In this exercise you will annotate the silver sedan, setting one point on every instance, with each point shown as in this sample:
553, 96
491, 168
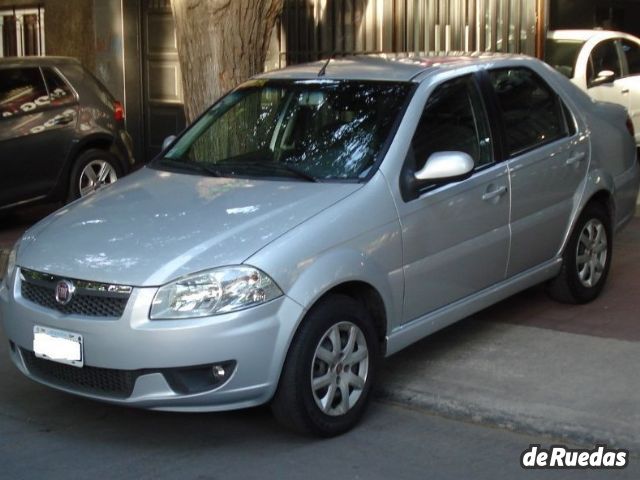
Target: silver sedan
315, 220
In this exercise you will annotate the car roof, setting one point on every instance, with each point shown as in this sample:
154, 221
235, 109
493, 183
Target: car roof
584, 35
37, 61
382, 67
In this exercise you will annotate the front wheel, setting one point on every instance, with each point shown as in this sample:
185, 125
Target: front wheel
93, 170
586, 259
326, 380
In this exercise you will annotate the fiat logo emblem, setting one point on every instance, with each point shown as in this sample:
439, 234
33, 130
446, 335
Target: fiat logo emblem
64, 292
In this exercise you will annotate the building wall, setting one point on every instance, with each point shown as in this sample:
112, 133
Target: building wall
621, 15
67, 31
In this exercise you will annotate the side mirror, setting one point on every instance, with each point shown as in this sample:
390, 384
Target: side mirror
168, 141
444, 167
604, 77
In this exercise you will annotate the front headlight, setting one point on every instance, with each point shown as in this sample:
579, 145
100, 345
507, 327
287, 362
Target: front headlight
221, 290
11, 264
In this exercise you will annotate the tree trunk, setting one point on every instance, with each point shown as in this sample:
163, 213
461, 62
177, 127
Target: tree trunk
221, 43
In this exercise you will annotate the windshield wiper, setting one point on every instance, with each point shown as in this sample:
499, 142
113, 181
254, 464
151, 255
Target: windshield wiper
296, 171
191, 165
271, 166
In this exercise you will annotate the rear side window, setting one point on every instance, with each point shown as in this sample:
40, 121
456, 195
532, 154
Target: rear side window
454, 119
22, 90
632, 53
59, 90
532, 112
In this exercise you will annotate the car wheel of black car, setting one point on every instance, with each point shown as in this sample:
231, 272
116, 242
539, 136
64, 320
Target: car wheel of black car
93, 169
586, 259
326, 381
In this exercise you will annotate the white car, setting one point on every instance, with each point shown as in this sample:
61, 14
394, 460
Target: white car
603, 63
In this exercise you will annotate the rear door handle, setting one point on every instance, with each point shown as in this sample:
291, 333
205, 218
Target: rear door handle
498, 192
625, 91
575, 158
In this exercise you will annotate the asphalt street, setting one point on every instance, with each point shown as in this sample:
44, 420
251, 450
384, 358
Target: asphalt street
52, 435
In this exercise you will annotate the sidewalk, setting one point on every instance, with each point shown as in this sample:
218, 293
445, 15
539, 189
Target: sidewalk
535, 366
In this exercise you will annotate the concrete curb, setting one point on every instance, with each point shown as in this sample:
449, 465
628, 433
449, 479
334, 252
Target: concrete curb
459, 409
569, 387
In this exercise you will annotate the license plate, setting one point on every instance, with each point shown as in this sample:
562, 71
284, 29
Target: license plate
58, 346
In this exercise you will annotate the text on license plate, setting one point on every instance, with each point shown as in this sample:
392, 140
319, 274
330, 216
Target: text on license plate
58, 345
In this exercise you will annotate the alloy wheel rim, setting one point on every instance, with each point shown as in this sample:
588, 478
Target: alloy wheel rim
95, 175
592, 253
339, 369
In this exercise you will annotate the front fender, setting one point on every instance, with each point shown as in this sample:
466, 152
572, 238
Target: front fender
356, 240
337, 267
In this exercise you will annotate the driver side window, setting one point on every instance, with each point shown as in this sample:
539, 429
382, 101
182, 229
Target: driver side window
454, 119
603, 57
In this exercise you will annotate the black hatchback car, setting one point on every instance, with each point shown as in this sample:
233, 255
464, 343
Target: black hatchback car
62, 133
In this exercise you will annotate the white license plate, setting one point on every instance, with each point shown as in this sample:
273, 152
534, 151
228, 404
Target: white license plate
58, 346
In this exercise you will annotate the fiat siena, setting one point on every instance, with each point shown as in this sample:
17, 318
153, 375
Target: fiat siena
315, 220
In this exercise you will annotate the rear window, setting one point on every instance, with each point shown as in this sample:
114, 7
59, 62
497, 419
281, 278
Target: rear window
562, 55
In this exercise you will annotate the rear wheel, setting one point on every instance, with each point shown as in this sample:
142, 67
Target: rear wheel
586, 259
93, 170
326, 380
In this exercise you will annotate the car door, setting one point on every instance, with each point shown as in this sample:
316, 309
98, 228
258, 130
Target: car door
455, 237
630, 81
605, 57
547, 160
32, 148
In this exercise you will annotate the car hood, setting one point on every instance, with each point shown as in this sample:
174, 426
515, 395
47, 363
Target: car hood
154, 226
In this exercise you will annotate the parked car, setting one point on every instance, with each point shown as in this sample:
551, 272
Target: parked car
603, 63
315, 220
62, 134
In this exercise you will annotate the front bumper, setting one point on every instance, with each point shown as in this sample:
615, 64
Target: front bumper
255, 339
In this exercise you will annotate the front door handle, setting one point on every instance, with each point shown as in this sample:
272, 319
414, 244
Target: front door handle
498, 192
625, 91
573, 159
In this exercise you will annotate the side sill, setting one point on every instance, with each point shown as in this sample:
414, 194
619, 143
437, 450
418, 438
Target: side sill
421, 327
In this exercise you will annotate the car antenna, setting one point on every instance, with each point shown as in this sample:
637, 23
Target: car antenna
326, 64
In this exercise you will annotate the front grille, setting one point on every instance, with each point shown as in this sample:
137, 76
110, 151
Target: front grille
100, 381
89, 300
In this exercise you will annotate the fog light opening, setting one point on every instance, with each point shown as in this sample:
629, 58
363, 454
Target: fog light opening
219, 373
201, 378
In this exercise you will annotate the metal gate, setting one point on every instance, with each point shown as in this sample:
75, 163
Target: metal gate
22, 32
312, 29
162, 85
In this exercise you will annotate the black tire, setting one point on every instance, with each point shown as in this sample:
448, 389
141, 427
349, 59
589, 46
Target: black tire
91, 156
568, 287
295, 405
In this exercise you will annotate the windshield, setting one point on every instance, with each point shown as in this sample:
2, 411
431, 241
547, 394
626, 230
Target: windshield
562, 55
309, 130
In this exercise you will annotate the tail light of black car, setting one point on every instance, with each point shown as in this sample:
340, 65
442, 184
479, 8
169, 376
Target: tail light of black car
118, 111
